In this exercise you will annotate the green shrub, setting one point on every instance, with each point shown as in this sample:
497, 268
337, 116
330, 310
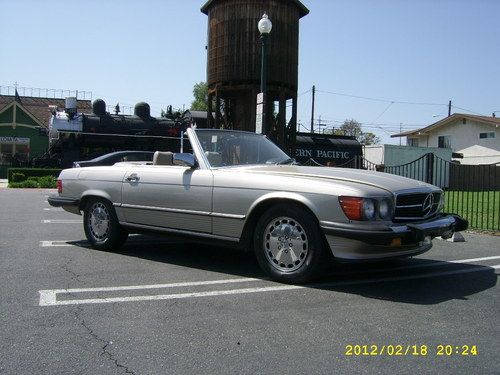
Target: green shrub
44, 182
24, 184
18, 177
32, 172
47, 182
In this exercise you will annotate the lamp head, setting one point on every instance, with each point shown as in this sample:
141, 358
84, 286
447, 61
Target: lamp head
265, 25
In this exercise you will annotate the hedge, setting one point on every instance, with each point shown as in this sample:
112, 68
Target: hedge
45, 182
16, 174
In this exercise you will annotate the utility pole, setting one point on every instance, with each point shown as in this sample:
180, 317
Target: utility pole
400, 130
449, 108
312, 110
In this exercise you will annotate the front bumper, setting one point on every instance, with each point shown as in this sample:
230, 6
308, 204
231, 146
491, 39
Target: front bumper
363, 241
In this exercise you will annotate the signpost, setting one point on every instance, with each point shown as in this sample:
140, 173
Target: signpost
259, 113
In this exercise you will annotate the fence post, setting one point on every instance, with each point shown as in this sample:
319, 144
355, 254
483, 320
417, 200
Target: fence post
430, 168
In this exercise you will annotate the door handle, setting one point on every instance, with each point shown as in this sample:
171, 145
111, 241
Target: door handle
133, 178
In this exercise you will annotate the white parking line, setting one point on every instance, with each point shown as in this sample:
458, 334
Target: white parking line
61, 221
53, 209
56, 243
82, 242
49, 297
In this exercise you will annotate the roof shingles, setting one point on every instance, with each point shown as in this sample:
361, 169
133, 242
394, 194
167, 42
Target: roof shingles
39, 107
484, 119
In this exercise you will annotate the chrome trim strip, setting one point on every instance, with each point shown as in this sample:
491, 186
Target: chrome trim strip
410, 206
182, 211
414, 218
175, 210
399, 229
228, 216
179, 231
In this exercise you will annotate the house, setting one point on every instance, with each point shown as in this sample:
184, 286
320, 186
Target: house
23, 124
477, 138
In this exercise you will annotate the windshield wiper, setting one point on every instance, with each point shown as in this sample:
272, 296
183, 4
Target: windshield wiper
287, 161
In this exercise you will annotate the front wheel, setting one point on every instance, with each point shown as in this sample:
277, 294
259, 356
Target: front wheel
288, 244
101, 225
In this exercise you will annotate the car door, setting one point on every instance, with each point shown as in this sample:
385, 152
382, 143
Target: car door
168, 196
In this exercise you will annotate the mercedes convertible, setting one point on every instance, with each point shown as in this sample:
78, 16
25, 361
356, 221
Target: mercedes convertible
240, 189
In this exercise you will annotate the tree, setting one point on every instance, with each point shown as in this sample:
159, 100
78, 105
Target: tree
200, 93
353, 128
369, 138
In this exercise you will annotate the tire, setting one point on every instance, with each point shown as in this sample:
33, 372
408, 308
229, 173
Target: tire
101, 225
289, 245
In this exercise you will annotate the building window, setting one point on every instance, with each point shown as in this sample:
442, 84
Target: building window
487, 135
6, 152
14, 151
444, 141
412, 142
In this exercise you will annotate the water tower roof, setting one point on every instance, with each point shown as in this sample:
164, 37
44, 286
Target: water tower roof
303, 10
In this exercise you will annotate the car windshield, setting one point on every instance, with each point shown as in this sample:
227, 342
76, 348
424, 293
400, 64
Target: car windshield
225, 148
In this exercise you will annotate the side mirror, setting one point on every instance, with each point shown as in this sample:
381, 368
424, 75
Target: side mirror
184, 159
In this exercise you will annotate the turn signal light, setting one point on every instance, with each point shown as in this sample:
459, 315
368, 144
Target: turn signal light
59, 186
352, 207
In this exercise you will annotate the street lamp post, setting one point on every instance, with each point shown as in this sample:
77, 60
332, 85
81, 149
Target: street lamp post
265, 27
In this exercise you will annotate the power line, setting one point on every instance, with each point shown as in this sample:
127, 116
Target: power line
467, 110
303, 93
384, 111
366, 123
379, 99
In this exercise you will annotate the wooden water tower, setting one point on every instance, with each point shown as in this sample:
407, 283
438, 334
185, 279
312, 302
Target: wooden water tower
234, 65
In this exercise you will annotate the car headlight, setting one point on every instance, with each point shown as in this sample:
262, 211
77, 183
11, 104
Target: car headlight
385, 209
357, 208
368, 209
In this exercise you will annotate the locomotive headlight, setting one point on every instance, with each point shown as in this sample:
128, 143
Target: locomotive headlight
385, 209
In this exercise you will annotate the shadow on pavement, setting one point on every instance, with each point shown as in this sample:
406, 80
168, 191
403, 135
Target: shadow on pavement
414, 280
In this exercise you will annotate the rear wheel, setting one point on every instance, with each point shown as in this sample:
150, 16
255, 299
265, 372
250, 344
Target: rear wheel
288, 244
101, 225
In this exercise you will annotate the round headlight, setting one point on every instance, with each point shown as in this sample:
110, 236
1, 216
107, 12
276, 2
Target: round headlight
368, 209
385, 209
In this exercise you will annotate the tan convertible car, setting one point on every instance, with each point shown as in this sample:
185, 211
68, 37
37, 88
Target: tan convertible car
240, 189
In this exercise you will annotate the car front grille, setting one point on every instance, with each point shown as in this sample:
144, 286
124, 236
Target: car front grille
416, 206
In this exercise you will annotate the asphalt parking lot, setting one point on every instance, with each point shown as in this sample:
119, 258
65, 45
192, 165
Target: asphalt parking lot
169, 307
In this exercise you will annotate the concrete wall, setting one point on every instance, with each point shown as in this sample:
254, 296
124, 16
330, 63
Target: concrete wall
374, 154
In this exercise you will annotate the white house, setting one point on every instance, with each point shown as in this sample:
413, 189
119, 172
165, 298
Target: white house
477, 138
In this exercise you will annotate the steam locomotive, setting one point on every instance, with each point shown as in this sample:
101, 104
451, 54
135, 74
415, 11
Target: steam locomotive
80, 136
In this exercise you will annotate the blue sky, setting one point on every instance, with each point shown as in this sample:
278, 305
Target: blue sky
400, 51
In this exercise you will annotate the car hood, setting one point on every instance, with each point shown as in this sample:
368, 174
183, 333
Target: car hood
381, 180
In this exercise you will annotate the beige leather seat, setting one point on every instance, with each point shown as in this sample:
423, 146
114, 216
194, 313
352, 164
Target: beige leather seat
163, 158
214, 158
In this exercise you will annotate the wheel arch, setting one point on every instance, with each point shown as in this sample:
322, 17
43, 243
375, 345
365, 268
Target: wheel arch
263, 204
92, 194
